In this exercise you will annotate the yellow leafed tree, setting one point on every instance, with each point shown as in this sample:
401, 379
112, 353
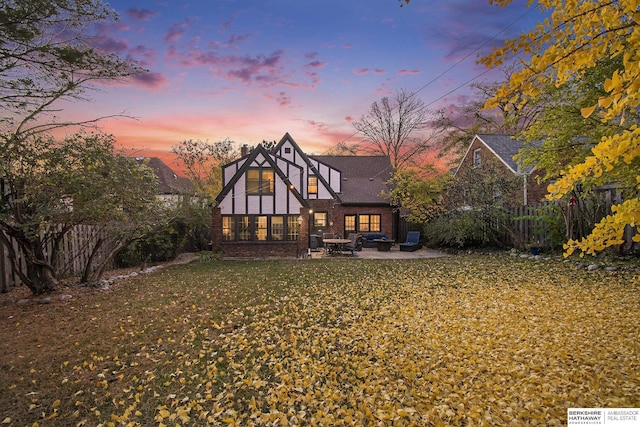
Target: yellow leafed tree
576, 34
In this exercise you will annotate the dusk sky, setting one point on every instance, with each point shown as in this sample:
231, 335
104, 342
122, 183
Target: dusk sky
253, 70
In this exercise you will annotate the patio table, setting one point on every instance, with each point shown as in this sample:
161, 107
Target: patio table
336, 246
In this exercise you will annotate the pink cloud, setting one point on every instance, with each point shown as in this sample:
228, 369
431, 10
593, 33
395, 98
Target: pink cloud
175, 32
378, 72
361, 72
347, 46
405, 72
141, 14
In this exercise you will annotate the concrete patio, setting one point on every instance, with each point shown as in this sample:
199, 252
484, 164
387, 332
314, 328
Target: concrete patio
373, 253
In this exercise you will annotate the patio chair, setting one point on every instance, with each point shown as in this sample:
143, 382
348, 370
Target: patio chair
356, 243
412, 243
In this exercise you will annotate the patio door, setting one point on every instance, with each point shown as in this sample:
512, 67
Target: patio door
350, 224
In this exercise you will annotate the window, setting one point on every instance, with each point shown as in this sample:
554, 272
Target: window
253, 181
350, 224
228, 228
287, 150
277, 228
319, 219
312, 184
477, 157
260, 181
374, 223
363, 222
293, 228
244, 230
261, 228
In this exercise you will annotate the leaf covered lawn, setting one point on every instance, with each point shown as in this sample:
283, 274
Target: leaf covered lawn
469, 340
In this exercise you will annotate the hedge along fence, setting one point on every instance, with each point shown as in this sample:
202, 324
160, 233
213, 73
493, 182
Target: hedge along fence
74, 251
549, 224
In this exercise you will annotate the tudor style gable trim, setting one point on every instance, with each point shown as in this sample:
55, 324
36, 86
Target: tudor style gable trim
242, 171
297, 153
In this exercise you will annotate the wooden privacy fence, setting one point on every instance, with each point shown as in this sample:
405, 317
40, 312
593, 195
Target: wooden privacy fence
548, 224
72, 255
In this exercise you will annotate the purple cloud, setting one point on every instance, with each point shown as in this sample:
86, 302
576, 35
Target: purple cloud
316, 64
361, 72
232, 42
405, 72
283, 99
141, 14
175, 32
109, 44
263, 69
152, 81
235, 39
378, 72
258, 68
145, 56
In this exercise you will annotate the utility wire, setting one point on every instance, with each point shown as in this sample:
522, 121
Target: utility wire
442, 74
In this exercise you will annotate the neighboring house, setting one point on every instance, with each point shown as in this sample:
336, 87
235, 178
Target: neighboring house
486, 148
273, 201
171, 187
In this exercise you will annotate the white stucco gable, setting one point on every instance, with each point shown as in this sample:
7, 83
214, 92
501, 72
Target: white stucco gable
259, 184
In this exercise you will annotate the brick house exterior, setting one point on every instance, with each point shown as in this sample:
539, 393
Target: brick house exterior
272, 201
500, 150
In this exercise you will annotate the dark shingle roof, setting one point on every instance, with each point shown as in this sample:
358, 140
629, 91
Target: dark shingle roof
364, 178
168, 181
505, 147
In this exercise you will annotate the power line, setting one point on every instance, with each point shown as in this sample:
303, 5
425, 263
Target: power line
442, 74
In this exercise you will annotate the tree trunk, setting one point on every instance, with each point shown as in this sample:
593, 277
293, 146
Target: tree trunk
40, 278
95, 276
86, 274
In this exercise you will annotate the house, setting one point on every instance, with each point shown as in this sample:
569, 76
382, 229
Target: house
272, 201
171, 187
499, 151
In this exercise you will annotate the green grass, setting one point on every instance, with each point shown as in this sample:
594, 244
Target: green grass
464, 340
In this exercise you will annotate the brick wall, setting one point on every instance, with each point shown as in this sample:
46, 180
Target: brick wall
386, 217
535, 191
335, 217
262, 249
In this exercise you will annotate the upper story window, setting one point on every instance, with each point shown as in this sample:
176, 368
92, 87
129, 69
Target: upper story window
312, 184
477, 157
287, 150
260, 181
